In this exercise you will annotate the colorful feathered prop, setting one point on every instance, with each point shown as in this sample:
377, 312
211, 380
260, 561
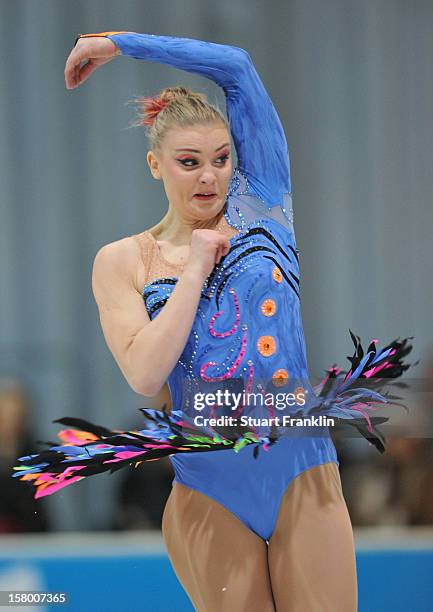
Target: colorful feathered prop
92, 449
342, 395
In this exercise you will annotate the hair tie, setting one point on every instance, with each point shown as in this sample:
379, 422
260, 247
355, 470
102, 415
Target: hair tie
152, 108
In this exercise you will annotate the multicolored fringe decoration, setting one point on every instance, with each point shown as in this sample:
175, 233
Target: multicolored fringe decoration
342, 397
93, 449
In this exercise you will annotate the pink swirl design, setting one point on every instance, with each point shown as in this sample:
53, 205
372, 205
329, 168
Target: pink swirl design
231, 331
231, 370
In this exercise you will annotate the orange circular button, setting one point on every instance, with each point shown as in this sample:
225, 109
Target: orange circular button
266, 345
280, 377
276, 274
268, 307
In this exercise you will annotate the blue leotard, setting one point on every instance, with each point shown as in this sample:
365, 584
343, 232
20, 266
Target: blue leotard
247, 330
262, 271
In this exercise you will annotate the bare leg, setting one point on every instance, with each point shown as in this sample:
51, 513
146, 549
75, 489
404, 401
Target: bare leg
311, 552
220, 562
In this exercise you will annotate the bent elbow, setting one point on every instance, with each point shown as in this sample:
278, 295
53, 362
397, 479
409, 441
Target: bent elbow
242, 59
148, 388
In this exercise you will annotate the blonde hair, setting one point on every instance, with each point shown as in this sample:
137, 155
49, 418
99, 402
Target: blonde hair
175, 107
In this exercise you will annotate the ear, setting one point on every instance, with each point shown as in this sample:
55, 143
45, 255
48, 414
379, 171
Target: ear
153, 164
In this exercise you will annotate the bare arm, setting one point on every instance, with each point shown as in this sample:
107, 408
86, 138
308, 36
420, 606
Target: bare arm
146, 351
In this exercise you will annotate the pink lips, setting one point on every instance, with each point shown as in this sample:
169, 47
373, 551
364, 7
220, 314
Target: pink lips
202, 196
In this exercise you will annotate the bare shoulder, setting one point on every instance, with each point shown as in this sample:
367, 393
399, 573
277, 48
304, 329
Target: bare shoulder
121, 263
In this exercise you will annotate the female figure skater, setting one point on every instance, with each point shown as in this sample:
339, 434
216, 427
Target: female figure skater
261, 525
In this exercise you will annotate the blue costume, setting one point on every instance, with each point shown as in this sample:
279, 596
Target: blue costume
247, 334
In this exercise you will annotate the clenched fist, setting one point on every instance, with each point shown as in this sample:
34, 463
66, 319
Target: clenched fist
207, 248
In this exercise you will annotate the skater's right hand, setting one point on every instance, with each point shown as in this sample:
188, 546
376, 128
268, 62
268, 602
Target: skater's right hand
95, 51
207, 248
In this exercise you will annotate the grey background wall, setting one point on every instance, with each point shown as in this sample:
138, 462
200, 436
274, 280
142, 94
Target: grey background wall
352, 82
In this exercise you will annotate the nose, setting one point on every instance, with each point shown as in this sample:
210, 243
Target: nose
207, 176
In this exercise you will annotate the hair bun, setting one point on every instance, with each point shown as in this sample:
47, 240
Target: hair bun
152, 106
174, 107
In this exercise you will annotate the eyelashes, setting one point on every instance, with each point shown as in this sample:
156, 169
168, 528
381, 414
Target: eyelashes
190, 162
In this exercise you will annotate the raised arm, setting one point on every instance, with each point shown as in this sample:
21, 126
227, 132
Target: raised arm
257, 132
